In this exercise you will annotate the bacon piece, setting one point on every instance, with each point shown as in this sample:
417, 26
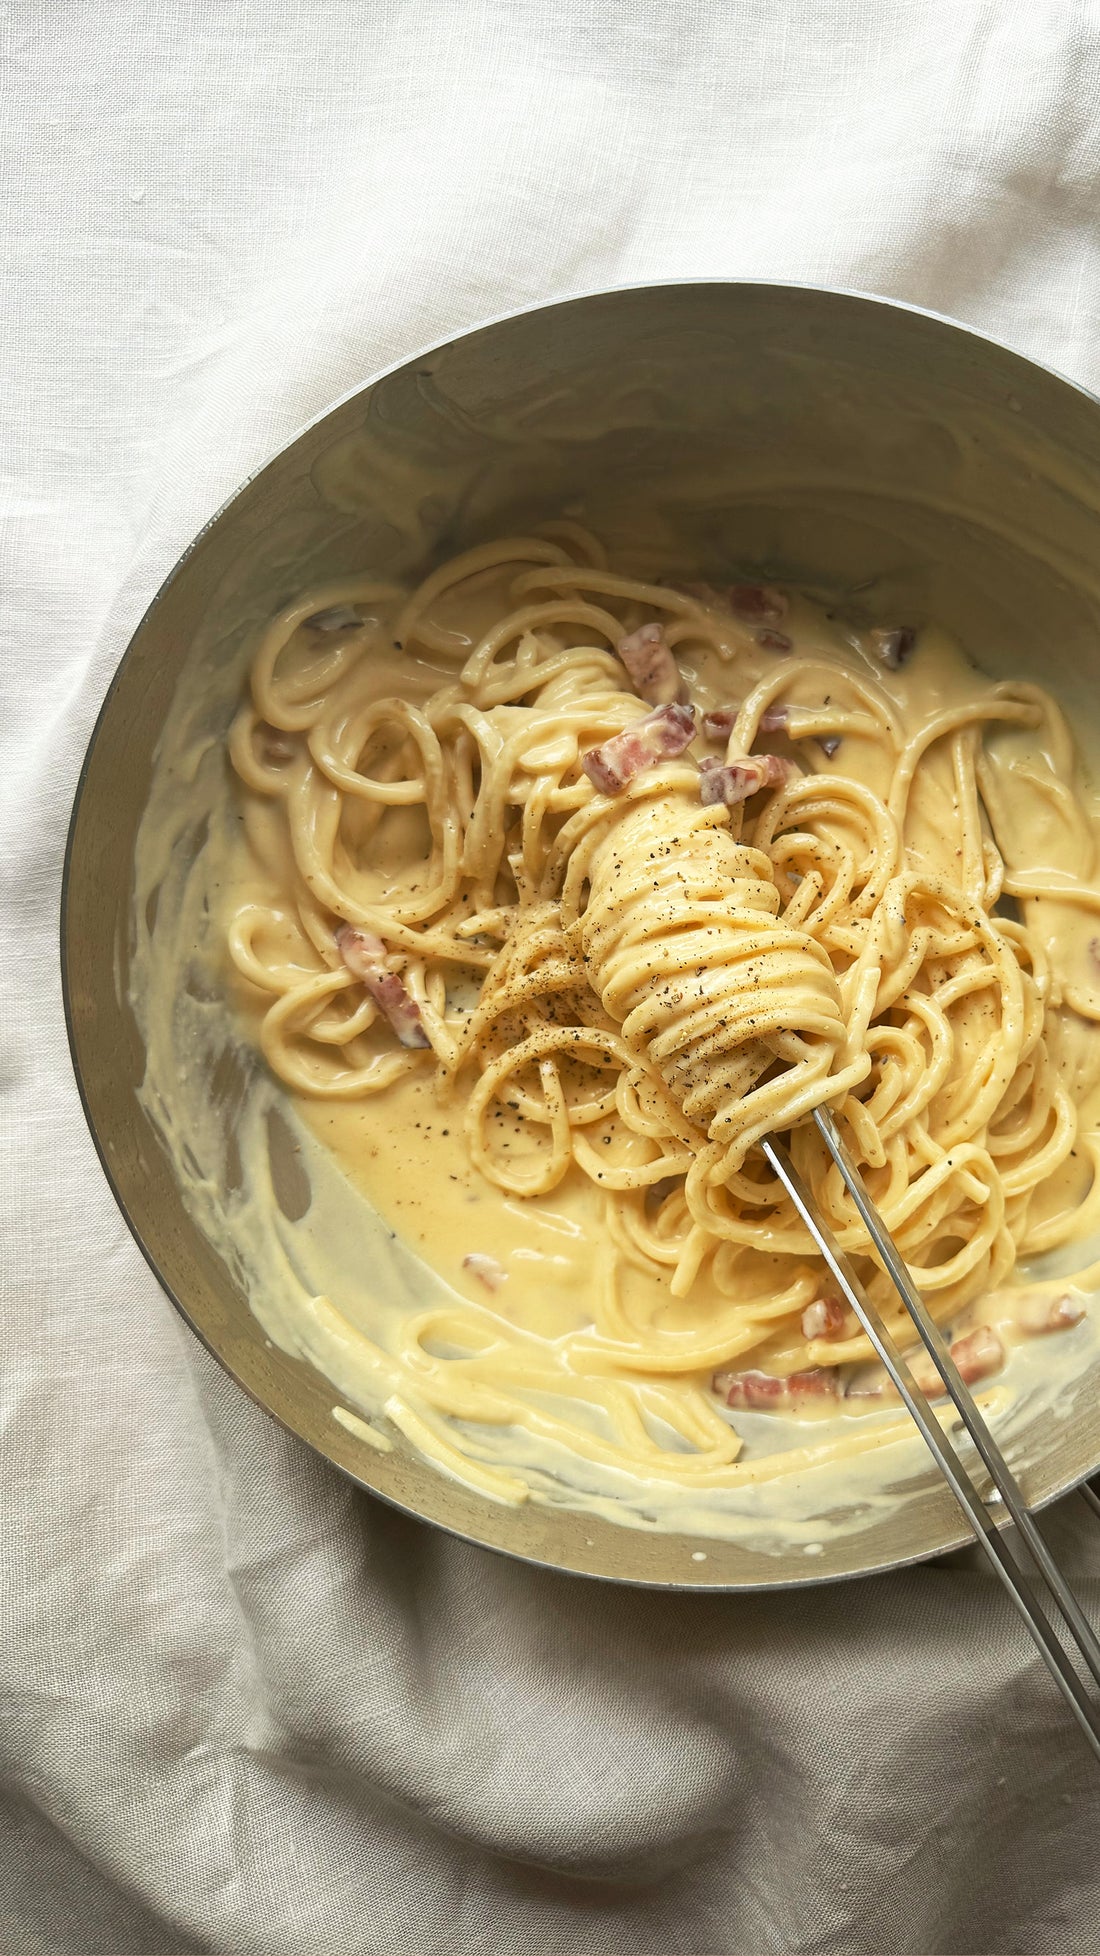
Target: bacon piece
761, 1392
1036, 1315
489, 1271
275, 747
760, 601
824, 1318
338, 618
718, 724
365, 957
977, 1355
659, 736
893, 648
735, 781
649, 660
775, 641
829, 744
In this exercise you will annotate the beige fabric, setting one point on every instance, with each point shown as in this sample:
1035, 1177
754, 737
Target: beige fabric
245, 1708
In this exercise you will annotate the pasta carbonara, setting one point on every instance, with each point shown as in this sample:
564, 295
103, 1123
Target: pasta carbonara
572, 887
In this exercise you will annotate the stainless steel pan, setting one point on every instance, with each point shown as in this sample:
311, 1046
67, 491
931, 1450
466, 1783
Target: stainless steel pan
830, 438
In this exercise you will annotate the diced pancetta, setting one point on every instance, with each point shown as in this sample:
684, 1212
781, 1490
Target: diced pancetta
978, 1355
1037, 1315
365, 957
275, 747
824, 1318
893, 648
734, 781
654, 674
761, 1392
718, 724
759, 601
658, 736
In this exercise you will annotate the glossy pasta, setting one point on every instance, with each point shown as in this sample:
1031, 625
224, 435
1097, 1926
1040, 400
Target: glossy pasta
630, 982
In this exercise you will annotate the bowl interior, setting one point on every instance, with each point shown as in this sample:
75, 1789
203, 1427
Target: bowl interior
834, 441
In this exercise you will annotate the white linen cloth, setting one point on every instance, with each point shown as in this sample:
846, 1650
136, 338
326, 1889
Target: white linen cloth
246, 1708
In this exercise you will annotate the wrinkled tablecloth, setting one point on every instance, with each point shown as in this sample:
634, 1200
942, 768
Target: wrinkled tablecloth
244, 1707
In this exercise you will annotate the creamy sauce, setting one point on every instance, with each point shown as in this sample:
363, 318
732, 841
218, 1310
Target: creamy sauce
342, 1219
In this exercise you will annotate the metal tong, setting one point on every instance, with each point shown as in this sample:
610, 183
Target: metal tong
1005, 1559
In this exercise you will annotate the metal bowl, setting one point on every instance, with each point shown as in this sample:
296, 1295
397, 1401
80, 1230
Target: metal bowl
830, 438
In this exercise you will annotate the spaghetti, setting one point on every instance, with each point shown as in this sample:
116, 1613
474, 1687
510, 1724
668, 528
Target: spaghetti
636, 874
